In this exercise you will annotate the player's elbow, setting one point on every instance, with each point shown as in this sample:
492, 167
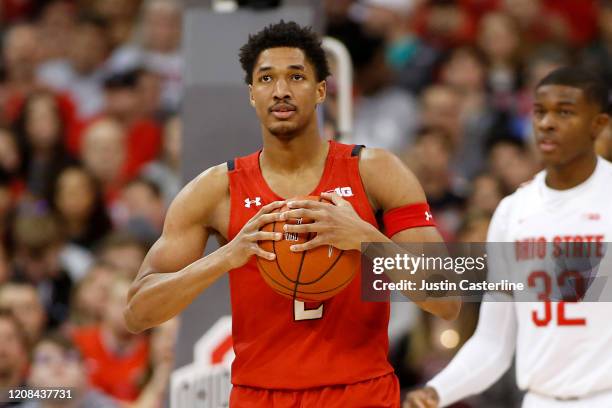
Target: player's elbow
135, 322
132, 322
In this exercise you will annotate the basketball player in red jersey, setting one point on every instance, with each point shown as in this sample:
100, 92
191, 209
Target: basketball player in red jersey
289, 354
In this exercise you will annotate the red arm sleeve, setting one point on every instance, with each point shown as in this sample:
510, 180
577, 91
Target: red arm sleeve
408, 216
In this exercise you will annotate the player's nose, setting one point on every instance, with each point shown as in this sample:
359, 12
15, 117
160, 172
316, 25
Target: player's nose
281, 90
546, 122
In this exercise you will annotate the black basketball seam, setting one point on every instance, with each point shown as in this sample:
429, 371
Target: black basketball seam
276, 257
297, 281
299, 272
330, 290
301, 291
262, 268
326, 271
302, 260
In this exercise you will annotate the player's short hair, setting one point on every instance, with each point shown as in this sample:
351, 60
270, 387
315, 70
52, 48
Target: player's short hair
593, 87
284, 34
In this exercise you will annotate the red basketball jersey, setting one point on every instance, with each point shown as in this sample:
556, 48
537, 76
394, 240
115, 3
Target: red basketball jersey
277, 342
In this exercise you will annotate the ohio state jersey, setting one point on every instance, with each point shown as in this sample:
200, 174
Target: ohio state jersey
285, 344
563, 349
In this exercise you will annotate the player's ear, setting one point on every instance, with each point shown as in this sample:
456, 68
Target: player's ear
321, 91
599, 124
251, 99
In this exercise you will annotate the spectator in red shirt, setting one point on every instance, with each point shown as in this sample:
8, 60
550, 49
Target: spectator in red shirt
124, 105
116, 359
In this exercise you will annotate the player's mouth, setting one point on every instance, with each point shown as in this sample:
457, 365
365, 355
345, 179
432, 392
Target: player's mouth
283, 110
547, 145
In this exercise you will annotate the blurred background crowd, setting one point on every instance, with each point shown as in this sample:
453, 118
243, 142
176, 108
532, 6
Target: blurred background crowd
90, 142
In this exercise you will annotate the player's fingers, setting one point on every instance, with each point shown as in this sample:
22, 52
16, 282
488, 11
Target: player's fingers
313, 243
413, 400
300, 228
335, 198
257, 250
418, 403
266, 236
264, 219
271, 207
314, 205
300, 213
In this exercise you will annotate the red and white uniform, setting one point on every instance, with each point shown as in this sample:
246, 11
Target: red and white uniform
563, 349
285, 345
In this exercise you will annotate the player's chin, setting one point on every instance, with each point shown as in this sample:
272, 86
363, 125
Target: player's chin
283, 130
550, 158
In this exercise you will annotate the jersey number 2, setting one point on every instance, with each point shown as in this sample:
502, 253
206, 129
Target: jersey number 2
301, 313
543, 321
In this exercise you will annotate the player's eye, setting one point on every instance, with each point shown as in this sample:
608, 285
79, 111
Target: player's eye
297, 77
565, 112
265, 78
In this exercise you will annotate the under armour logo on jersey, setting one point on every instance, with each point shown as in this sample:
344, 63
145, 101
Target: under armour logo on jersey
342, 191
256, 201
428, 216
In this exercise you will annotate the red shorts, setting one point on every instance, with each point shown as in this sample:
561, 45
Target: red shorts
380, 392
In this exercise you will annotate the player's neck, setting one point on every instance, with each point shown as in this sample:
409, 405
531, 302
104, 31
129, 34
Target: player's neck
571, 174
305, 150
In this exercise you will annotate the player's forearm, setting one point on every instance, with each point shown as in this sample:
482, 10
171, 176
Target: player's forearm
157, 297
483, 359
447, 309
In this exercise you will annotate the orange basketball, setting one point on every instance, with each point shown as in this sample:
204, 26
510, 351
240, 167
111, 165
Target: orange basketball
310, 276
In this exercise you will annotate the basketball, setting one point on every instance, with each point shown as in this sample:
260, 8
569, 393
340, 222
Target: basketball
309, 276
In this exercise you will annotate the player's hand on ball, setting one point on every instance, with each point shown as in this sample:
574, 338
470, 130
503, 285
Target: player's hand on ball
426, 397
244, 245
335, 224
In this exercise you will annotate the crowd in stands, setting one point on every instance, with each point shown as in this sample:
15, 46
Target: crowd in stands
90, 142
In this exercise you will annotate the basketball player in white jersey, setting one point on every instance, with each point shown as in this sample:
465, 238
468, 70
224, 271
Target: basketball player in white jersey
563, 349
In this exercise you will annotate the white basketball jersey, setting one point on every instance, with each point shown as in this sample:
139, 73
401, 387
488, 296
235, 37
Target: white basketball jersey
563, 349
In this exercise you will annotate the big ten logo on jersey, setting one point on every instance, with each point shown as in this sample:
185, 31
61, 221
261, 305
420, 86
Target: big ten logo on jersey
342, 191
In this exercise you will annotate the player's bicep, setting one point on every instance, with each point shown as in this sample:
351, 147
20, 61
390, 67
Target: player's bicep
185, 233
173, 251
399, 196
399, 186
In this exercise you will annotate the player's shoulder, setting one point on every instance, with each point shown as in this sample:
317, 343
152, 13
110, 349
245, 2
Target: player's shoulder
387, 180
212, 181
203, 194
379, 161
527, 188
523, 195
606, 166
